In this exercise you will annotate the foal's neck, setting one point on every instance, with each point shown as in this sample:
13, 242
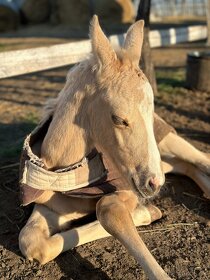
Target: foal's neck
67, 140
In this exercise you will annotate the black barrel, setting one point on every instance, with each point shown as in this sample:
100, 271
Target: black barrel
198, 71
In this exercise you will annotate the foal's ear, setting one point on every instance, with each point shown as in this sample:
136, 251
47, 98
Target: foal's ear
134, 40
101, 46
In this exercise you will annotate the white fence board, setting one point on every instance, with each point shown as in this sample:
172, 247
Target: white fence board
13, 63
19, 62
173, 36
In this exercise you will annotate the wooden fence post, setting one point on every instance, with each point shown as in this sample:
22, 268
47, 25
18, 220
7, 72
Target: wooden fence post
146, 59
208, 21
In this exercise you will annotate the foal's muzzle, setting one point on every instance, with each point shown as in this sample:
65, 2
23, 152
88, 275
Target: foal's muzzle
149, 187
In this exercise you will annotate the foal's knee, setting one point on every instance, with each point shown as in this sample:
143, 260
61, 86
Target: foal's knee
113, 210
126, 198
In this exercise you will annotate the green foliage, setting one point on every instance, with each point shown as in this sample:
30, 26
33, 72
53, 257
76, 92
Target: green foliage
2, 48
169, 80
31, 119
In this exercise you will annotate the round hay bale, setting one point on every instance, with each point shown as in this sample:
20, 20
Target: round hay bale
9, 16
198, 69
36, 11
78, 12
115, 11
74, 12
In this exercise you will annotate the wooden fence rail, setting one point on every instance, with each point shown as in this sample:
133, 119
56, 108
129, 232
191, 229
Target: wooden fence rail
13, 63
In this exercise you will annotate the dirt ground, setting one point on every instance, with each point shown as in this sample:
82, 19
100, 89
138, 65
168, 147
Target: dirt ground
179, 241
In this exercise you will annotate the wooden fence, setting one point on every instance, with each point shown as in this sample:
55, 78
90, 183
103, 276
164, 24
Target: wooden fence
13, 63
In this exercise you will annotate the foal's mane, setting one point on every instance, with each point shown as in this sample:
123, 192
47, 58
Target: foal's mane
51, 103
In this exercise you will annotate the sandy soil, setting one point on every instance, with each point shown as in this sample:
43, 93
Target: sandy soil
181, 249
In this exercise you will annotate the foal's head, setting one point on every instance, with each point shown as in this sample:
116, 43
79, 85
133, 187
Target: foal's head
121, 114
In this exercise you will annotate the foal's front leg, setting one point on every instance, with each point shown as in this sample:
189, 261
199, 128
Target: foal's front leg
53, 213
114, 213
44, 236
38, 239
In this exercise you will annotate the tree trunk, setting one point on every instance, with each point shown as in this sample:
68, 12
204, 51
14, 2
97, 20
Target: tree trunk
146, 59
208, 22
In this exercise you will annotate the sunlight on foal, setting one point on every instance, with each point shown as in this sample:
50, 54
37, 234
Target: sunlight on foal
107, 103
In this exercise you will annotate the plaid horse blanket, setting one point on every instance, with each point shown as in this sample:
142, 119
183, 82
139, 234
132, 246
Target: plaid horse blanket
94, 176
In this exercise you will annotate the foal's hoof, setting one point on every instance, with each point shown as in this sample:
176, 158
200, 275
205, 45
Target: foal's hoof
207, 195
155, 212
145, 215
203, 181
204, 165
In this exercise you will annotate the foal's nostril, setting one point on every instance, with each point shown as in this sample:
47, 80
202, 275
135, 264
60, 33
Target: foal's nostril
154, 183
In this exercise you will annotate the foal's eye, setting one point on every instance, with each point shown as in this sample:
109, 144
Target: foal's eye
119, 121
